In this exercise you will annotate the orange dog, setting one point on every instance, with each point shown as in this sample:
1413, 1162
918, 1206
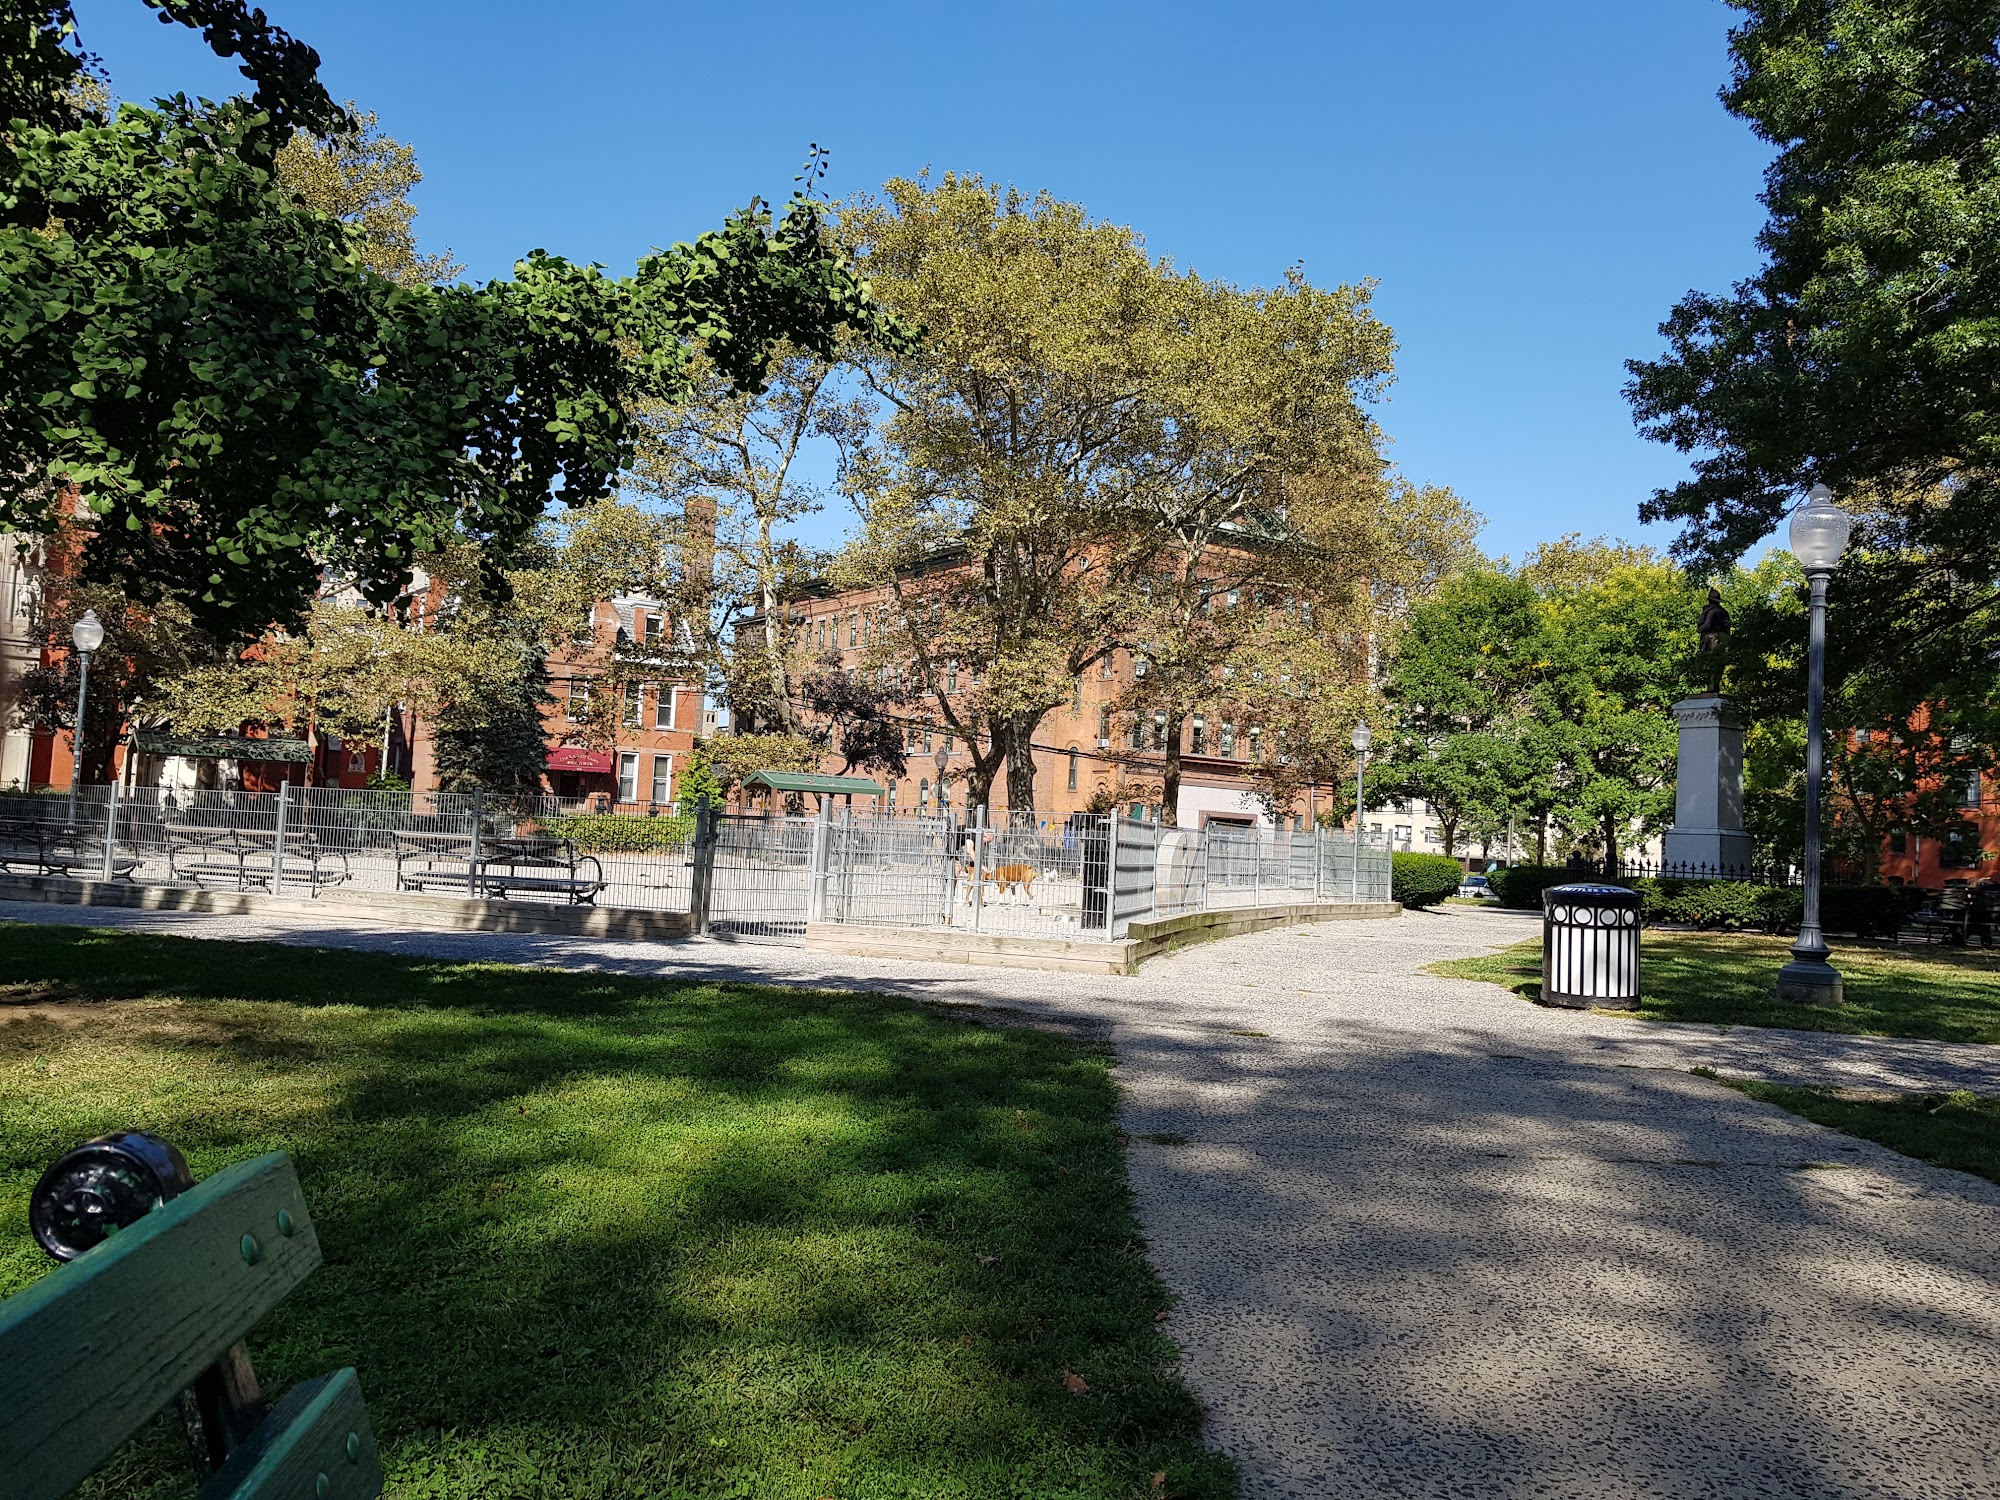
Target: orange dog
1004, 878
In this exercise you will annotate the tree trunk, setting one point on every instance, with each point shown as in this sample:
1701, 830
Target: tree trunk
1016, 739
1542, 839
1450, 829
778, 678
1170, 779
1610, 825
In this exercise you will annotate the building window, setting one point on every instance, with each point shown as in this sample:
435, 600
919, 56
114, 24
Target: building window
924, 795
663, 708
1256, 742
892, 798
656, 630
1959, 849
1899, 841
1074, 758
1198, 735
1138, 733
1227, 735
628, 776
822, 632
1137, 812
947, 742
1234, 596
663, 778
1403, 834
579, 699
1972, 789
853, 630
635, 694
1159, 731
1105, 664
951, 677
1433, 836
1103, 727
1076, 698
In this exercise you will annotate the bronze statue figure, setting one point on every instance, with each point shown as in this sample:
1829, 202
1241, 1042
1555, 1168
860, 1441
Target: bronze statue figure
1714, 629
1714, 625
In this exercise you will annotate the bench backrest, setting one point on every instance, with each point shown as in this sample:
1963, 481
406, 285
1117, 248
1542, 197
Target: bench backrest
91, 1351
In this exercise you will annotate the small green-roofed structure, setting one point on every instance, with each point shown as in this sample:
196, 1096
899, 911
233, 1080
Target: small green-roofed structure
785, 783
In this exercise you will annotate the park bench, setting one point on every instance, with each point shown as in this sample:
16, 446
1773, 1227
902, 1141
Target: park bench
51, 848
530, 865
156, 1314
245, 855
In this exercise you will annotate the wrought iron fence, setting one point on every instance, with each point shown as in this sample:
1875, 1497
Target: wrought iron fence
1770, 874
761, 878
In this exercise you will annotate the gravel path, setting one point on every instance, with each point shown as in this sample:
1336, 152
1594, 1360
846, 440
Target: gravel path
1429, 1240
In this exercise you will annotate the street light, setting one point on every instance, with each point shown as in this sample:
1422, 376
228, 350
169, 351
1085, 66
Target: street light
941, 760
1819, 535
87, 635
1363, 737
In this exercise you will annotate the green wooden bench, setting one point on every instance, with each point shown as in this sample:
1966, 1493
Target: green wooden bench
97, 1347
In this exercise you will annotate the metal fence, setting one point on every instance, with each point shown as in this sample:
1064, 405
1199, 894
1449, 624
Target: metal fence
742, 876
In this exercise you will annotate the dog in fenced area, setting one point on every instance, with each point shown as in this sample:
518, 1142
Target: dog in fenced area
1015, 875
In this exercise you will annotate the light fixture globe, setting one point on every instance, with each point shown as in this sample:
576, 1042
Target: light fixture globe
1819, 531
1363, 737
87, 633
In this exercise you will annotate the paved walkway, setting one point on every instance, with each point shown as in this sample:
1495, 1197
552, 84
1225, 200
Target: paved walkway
1430, 1240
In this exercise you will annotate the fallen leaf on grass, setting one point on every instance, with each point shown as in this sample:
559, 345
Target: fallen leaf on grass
986, 1260
1160, 1480
1160, 1316
1074, 1383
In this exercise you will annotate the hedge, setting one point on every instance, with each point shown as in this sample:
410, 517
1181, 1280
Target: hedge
1424, 879
1870, 911
620, 833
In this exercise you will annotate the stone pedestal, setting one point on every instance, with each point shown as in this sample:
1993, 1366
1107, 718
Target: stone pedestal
1708, 791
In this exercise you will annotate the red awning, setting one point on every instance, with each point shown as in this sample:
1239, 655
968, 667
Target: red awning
569, 758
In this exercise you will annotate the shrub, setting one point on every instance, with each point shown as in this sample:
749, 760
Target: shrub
615, 833
1719, 905
1424, 879
1522, 885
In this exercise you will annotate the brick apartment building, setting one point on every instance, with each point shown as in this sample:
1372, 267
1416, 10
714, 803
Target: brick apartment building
1087, 754
659, 718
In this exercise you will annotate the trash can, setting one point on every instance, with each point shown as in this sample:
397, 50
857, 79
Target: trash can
1590, 946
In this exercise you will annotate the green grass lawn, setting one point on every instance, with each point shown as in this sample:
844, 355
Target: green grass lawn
1730, 979
599, 1237
1959, 1130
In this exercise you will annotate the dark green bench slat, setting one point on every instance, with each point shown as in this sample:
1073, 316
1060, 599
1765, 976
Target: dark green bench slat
93, 1349
321, 1427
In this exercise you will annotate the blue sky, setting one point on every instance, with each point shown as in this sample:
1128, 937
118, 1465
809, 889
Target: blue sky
1532, 185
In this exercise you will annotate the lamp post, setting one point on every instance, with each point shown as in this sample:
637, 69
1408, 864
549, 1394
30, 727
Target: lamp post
1363, 737
1818, 535
87, 635
941, 760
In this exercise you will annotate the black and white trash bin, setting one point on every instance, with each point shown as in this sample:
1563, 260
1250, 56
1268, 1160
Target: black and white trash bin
1590, 946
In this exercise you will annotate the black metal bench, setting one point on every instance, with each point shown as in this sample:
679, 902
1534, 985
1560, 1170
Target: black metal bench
51, 848
247, 855
534, 865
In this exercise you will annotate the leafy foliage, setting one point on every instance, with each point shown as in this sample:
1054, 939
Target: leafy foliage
1861, 354
241, 399
613, 833
1418, 880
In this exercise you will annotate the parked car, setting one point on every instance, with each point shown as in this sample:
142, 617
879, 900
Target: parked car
1474, 885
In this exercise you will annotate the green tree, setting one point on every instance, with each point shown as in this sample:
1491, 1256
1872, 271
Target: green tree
1103, 443
1860, 354
241, 400
1462, 684
360, 175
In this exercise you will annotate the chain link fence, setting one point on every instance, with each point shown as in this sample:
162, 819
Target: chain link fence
747, 877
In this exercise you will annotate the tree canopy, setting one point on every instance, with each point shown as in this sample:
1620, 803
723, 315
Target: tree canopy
1862, 354
241, 399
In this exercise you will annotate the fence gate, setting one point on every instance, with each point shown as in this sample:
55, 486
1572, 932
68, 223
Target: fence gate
762, 883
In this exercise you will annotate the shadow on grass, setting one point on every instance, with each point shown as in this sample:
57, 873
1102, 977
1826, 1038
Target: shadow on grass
607, 1236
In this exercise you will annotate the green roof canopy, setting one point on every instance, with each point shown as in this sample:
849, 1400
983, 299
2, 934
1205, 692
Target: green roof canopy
825, 786
220, 747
